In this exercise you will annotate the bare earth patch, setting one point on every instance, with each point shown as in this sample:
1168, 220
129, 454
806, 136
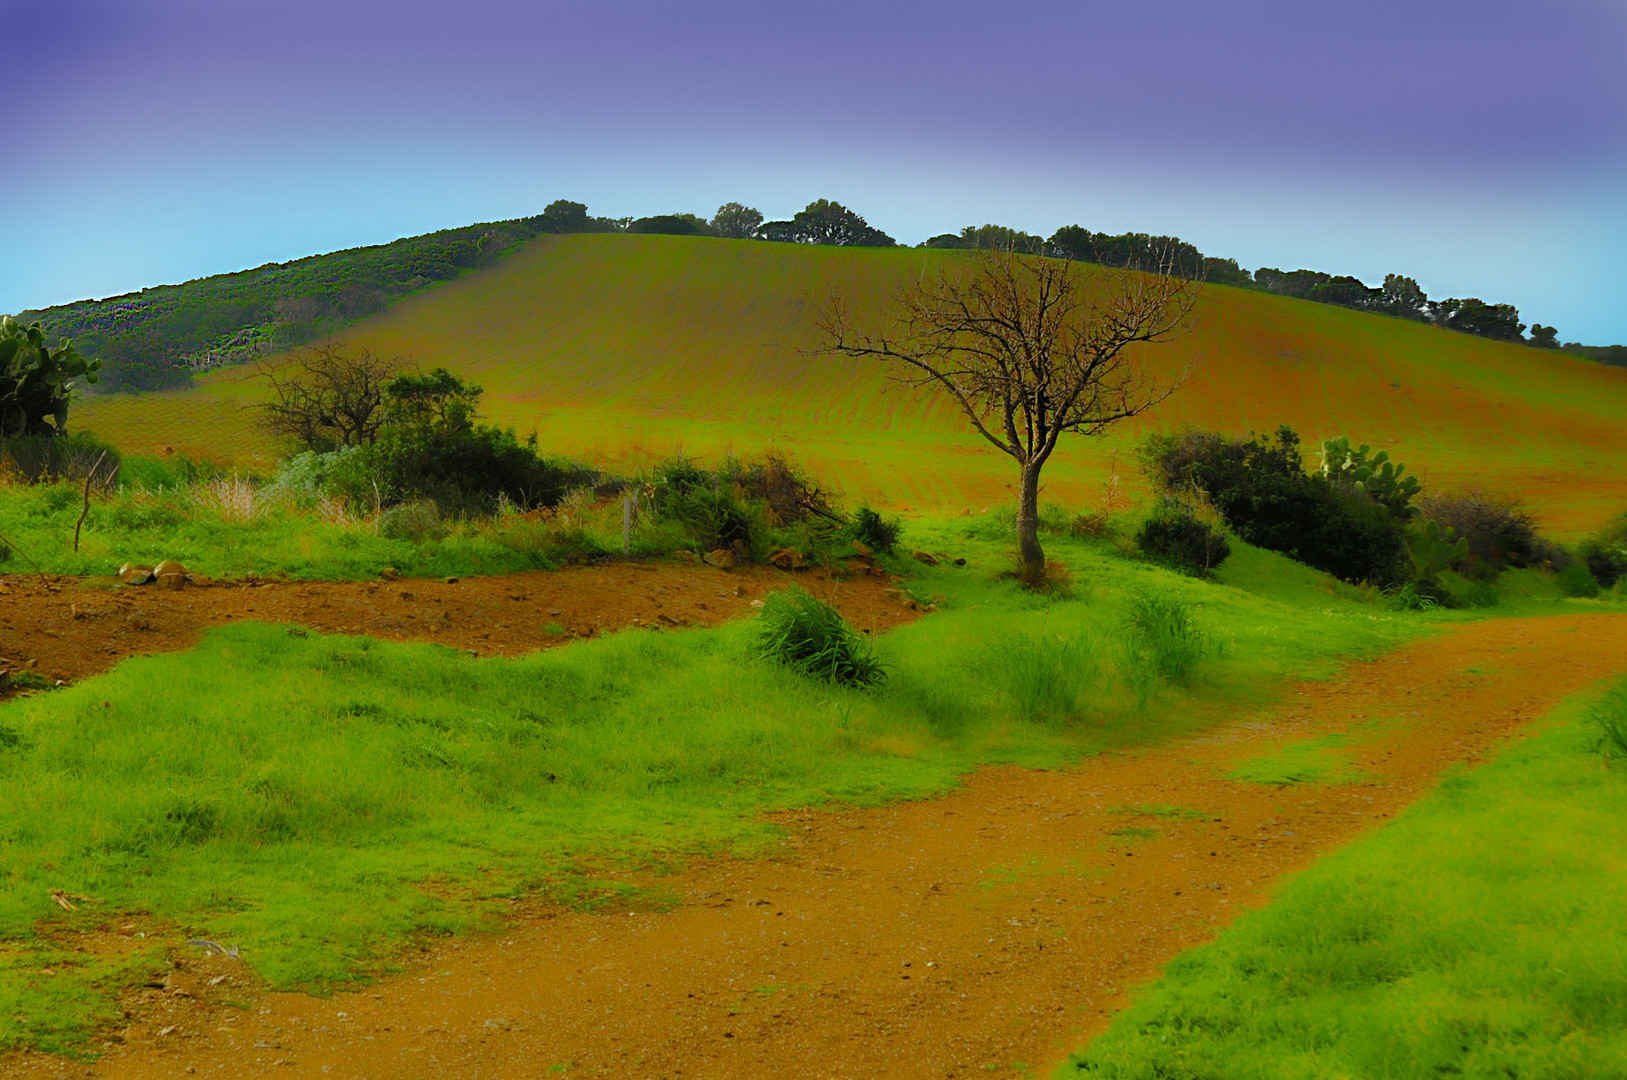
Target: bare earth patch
991, 929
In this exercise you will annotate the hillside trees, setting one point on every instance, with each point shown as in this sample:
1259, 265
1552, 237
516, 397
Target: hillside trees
37, 381
1030, 349
737, 221
825, 222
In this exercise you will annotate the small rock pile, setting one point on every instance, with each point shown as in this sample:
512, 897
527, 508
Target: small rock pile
168, 574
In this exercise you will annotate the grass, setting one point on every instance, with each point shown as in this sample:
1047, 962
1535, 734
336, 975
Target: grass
617, 348
322, 801
1477, 936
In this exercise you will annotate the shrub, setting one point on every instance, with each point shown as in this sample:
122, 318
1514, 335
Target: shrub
1605, 552
876, 532
1259, 486
1576, 580
415, 521
805, 633
1499, 532
45, 459
1175, 535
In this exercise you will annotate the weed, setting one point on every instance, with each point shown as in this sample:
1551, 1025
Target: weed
803, 632
876, 532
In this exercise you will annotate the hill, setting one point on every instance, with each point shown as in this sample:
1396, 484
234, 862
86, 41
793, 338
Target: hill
620, 348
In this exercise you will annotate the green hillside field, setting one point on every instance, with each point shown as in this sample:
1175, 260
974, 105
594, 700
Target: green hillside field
620, 349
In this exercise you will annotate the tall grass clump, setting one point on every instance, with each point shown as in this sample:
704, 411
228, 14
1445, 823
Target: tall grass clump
1049, 675
1163, 637
803, 632
1608, 716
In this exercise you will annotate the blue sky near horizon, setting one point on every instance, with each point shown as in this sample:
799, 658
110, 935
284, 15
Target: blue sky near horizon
1480, 147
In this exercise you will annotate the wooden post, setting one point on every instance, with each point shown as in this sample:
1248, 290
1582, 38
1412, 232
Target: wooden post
78, 524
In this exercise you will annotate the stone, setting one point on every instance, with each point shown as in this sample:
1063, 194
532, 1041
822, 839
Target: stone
169, 566
923, 557
742, 551
172, 582
451, 581
389, 573
686, 556
131, 574
788, 559
863, 550
722, 558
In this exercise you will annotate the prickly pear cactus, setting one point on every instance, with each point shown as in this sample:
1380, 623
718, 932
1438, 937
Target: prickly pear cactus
1433, 549
1385, 481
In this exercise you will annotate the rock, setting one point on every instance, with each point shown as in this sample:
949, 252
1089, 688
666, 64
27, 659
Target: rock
389, 573
722, 558
5, 681
923, 557
451, 581
668, 619
169, 566
960, 562
686, 556
788, 559
863, 550
138, 621
131, 574
173, 582
742, 551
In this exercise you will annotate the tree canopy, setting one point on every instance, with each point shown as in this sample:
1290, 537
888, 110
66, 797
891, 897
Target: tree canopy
826, 222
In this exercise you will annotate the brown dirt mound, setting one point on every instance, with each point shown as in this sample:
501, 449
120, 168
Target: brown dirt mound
997, 925
70, 628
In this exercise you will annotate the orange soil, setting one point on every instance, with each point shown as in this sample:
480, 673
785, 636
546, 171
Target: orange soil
68, 628
998, 924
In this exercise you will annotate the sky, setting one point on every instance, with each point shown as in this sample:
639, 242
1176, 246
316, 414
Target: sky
1479, 146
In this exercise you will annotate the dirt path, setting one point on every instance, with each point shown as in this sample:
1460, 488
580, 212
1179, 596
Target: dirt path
988, 930
70, 628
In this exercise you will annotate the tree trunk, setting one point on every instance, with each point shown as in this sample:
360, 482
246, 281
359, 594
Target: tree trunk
1029, 552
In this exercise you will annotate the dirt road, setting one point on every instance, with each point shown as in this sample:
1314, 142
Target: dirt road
987, 932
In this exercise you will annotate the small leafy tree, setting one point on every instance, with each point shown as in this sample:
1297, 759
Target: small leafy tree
37, 381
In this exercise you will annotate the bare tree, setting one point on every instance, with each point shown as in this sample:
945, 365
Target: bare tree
327, 397
1029, 348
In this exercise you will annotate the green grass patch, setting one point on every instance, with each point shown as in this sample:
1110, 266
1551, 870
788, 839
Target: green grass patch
1477, 936
322, 801
1312, 761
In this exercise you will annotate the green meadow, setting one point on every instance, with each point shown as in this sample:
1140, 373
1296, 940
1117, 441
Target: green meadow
1478, 936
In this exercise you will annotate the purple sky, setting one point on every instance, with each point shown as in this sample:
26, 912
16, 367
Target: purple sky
1480, 146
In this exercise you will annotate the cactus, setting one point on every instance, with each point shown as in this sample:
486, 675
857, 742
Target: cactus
1433, 549
1377, 477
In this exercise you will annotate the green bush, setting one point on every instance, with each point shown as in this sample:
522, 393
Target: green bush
876, 532
1175, 535
1261, 489
45, 459
1577, 580
1499, 533
1605, 552
803, 632
416, 521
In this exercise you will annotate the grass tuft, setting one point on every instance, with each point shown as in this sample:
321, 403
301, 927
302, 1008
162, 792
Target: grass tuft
806, 634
